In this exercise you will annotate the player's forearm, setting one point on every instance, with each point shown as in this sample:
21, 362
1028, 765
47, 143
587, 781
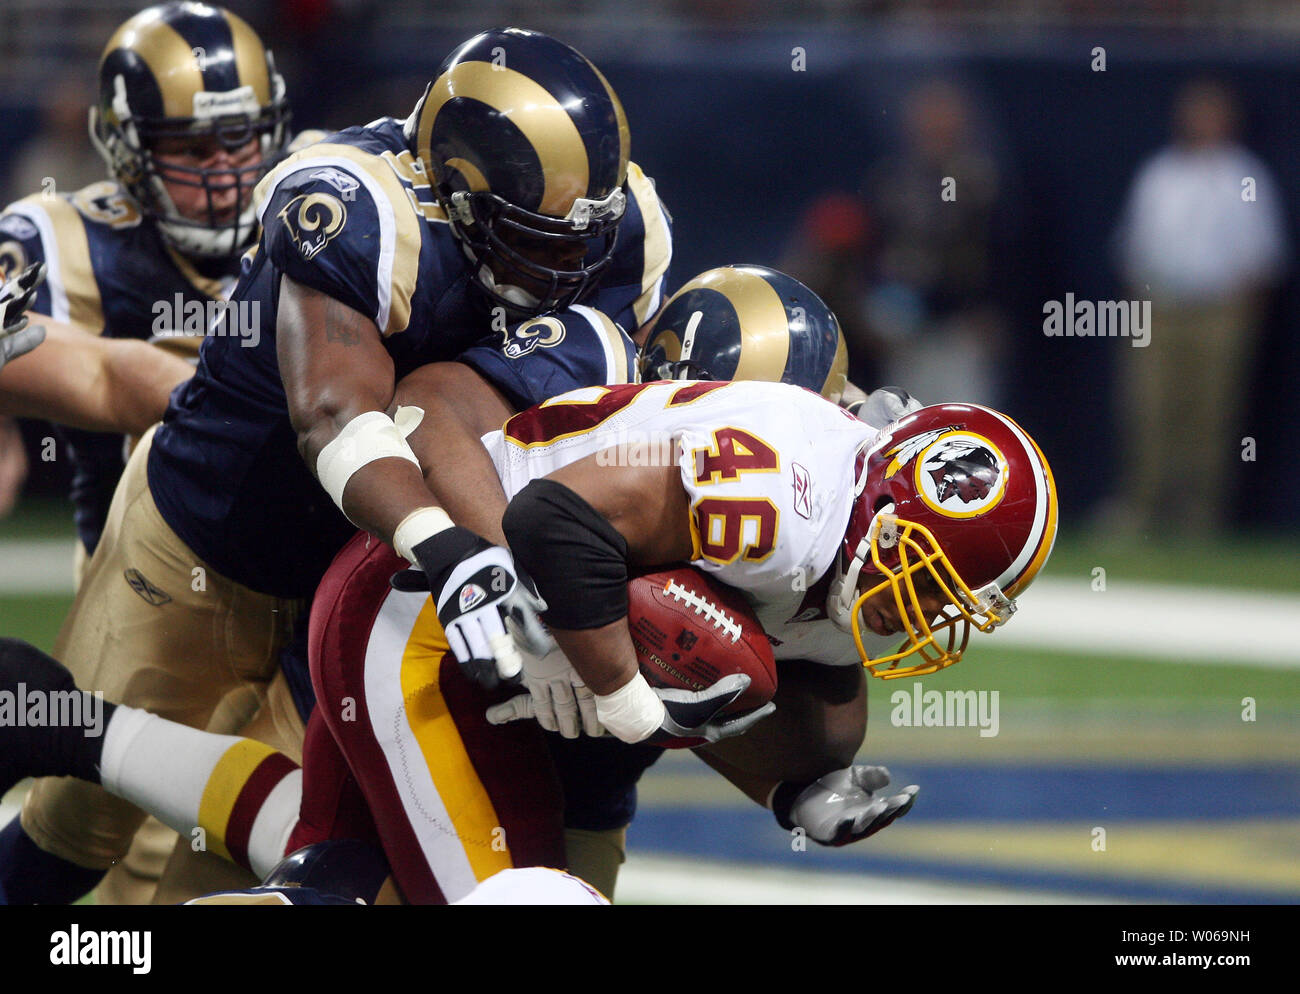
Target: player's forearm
604, 657
140, 379
78, 379
757, 787
459, 409
338, 381
579, 534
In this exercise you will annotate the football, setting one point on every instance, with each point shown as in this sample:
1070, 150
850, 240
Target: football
689, 632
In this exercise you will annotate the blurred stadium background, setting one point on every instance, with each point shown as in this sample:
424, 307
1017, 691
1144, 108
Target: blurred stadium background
1150, 686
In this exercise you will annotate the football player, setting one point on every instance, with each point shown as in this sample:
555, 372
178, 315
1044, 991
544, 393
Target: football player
191, 113
835, 530
385, 247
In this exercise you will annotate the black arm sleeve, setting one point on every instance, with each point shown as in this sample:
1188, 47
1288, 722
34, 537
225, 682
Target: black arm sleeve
577, 559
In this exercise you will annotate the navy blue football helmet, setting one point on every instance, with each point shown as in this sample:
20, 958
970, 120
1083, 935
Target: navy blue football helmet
189, 72
748, 323
527, 147
349, 869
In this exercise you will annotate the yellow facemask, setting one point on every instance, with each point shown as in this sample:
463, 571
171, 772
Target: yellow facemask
939, 642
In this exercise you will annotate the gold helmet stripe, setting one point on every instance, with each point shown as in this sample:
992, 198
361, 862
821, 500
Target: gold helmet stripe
531, 108
624, 134
250, 58
657, 248
475, 179
1043, 533
838, 377
763, 320
1049, 530
169, 57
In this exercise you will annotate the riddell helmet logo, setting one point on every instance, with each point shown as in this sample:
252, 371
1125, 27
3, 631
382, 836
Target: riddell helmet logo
471, 595
961, 475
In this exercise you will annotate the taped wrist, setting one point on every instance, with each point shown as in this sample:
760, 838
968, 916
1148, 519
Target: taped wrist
632, 713
420, 524
577, 559
443, 551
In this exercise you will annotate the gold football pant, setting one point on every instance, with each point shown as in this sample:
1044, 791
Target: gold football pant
154, 627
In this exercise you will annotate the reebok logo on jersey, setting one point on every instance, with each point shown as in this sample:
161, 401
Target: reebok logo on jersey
18, 226
146, 589
471, 596
341, 181
802, 491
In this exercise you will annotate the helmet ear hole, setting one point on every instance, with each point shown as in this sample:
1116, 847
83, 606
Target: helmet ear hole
882, 502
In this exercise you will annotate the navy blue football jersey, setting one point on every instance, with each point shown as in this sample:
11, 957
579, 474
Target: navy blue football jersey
108, 269
355, 217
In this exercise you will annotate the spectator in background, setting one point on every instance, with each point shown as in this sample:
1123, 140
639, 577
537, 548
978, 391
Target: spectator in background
909, 269
830, 253
1202, 237
934, 205
59, 158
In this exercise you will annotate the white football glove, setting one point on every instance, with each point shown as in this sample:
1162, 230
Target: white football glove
16, 295
474, 587
556, 697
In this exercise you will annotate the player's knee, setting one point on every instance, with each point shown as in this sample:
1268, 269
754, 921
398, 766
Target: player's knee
595, 856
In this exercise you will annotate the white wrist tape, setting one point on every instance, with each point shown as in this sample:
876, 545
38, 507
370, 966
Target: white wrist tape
416, 527
367, 437
631, 713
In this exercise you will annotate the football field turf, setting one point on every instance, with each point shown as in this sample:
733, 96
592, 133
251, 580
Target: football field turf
1128, 774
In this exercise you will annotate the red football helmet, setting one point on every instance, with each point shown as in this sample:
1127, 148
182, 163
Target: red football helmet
962, 493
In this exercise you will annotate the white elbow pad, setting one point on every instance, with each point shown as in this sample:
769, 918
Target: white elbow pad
367, 437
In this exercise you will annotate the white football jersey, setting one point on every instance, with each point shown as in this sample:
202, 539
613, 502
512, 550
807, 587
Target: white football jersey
768, 469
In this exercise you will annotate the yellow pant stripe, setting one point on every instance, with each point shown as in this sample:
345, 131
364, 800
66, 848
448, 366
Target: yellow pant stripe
457, 782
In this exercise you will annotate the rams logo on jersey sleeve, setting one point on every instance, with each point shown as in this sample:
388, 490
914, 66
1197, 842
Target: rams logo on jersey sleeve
312, 219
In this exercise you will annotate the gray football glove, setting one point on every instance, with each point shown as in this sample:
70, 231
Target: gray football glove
16, 295
556, 697
842, 807
885, 405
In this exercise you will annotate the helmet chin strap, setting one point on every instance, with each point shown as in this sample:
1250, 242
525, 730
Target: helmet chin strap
514, 294
843, 592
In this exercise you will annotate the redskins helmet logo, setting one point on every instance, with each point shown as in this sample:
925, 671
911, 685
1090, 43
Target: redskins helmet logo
312, 220
961, 475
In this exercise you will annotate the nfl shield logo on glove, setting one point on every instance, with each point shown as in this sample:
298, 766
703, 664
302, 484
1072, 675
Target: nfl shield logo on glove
471, 595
